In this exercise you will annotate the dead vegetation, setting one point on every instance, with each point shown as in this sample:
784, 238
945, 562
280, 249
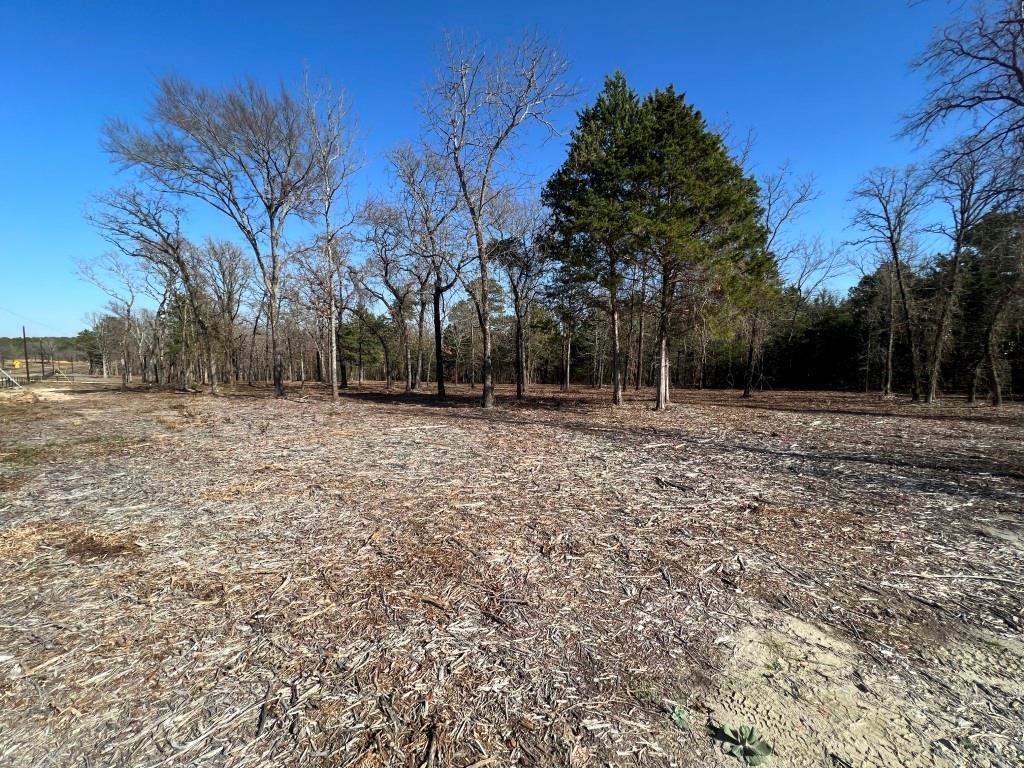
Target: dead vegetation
394, 581
77, 540
23, 454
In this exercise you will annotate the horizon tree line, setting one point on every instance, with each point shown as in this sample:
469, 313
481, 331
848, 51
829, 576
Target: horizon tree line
653, 256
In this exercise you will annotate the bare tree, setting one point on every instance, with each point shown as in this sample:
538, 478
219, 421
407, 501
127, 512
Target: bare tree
122, 281
430, 202
331, 145
242, 150
977, 69
385, 274
810, 265
783, 198
889, 201
147, 226
521, 255
317, 289
475, 110
969, 179
229, 275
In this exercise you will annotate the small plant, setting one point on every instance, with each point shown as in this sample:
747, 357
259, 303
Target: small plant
744, 743
648, 694
678, 716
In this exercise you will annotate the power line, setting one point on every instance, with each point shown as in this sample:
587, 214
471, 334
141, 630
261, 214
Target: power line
28, 319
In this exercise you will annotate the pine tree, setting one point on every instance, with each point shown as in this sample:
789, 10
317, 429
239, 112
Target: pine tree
594, 205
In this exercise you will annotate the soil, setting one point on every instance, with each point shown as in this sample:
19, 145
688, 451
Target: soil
241, 580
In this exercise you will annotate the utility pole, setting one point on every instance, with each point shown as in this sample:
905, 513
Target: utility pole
24, 342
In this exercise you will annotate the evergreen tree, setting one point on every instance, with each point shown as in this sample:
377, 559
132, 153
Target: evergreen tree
698, 209
594, 205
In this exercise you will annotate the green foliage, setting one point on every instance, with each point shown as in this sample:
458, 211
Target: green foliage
744, 743
592, 198
696, 204
57, 347
648, 185
88, 341
680, 718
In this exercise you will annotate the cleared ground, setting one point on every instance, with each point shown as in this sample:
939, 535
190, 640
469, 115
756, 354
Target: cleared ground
243, 581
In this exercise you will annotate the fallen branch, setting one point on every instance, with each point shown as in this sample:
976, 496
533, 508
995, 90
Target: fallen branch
971, 576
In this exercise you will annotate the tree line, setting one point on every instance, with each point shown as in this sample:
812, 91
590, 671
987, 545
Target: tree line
652, 257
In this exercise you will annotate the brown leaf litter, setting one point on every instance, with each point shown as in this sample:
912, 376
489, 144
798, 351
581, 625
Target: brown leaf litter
245, 581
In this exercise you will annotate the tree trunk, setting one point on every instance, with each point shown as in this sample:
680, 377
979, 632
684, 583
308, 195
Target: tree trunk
419, 344
887, 387
252, 346
487, 374
124, 368
664, 309
943, 328
627, 357
277, 356
472, 357
438, 350
616, 354
915, 359
993, 367
748, 375
661, 403
972, 393
567, 346
408, 361
334, 342
703, 359
520, 357
640, 346
342, 359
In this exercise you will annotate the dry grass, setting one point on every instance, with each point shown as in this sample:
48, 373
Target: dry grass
393, 581
10, 482
23, 454
78, 540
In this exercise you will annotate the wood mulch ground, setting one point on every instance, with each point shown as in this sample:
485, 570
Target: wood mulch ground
389, 580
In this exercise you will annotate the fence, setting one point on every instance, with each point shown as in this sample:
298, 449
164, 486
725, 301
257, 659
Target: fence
12, 379
37, 370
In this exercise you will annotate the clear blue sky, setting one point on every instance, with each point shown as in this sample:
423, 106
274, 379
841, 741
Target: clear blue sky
822, 84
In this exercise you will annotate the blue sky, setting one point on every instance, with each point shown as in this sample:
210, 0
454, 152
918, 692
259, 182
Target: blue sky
822, 85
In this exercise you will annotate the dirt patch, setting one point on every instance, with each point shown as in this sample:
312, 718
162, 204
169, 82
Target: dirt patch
250, 488
34, 394
24, 454
10, 483
815, 700
78, 541
19, 396
171, 423
20, 541
190, 412
79, 446
88, 544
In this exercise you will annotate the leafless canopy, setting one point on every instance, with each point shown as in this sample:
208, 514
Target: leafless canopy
243, 151
480, 99
977, 71
474, 110
889, 200
252, 155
